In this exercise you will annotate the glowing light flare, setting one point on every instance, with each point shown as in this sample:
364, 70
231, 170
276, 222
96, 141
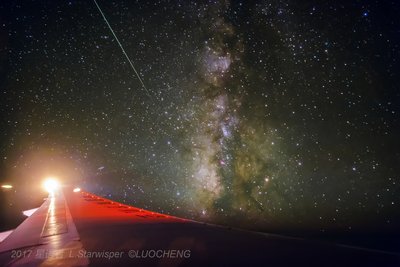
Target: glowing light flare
51, 185
6, 186
76, 190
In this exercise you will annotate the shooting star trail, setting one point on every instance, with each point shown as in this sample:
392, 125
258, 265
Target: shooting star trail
123, 50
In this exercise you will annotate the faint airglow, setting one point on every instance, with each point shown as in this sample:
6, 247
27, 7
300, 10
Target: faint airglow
76, 190
6, 186
51, 185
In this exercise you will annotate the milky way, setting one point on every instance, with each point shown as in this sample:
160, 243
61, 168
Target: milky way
261, 115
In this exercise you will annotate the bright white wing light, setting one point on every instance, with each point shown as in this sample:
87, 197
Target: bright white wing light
28, 213
51, 185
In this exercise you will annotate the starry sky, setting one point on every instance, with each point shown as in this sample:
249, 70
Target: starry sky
255, 114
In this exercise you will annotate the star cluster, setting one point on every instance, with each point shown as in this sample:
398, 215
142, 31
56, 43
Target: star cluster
262, 115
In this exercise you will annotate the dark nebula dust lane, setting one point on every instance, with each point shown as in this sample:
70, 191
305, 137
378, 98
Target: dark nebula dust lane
263, 115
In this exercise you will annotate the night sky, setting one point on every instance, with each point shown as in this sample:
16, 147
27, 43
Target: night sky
262, 115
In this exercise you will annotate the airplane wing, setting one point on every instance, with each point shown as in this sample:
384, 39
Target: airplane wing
77, 228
